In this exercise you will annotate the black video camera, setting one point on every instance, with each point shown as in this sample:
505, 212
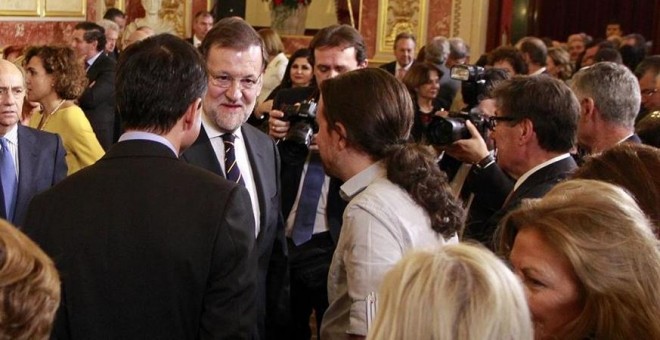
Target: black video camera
473, 84
444, 131
302, 119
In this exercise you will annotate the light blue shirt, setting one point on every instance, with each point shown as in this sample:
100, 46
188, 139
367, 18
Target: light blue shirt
142, 135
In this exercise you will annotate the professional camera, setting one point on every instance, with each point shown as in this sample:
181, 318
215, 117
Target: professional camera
302, 119
473, 85
444, 131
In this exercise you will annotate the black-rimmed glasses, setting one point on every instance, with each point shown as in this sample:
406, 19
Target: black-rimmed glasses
497, 119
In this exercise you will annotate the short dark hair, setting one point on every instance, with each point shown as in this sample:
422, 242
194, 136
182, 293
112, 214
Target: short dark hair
547, 102
234, 33
510, 54
377, 113
608, 54
649, 64
418, 75
93, 32
535, 49
340, 36
404, 35
61, 62
157, 80
113, 13
202, 14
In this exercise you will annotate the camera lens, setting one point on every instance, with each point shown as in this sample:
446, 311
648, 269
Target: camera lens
444, 131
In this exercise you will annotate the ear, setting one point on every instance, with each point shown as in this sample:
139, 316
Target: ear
527, 133
588, 107
191, 116
364, 64
340, 131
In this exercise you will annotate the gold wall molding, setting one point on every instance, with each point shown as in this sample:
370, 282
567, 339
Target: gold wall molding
397, 16
469, 21
15, 9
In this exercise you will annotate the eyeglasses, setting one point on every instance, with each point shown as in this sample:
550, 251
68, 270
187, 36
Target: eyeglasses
494, 120
649, 92
225, 81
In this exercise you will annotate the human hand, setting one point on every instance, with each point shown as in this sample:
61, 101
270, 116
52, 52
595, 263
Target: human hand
470, 150
277, 128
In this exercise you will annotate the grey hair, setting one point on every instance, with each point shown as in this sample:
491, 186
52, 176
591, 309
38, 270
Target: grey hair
614, 89
458, 48
437, 50
108, 25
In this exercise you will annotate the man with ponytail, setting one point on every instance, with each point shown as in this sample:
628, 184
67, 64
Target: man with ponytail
398, 198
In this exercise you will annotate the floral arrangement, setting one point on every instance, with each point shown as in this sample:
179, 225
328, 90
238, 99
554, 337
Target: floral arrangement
288, 3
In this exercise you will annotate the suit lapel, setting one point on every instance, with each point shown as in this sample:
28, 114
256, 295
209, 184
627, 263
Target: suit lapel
202, 154
259, 167
27, 160
554, 172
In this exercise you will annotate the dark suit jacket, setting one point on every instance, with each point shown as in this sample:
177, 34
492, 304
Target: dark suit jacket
535, 186
448, 88
41, 164
98, 100
163, 250
293, 165
390, 67
271, 242
189, 40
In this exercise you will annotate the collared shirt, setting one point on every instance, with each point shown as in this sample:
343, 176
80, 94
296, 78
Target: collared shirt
526, 175
215, 136
196, 42
143, 135
321, 221
12, 137
91, 60
382, 223
626, 138
537, 72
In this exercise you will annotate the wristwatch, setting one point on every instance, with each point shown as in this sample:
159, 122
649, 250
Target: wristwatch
485, 162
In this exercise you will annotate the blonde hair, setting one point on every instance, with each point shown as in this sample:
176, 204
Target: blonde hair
29, 287
272, 42
611, 247
456, 292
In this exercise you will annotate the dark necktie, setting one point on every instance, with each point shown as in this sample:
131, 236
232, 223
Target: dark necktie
303, 226
8, 178
231, 167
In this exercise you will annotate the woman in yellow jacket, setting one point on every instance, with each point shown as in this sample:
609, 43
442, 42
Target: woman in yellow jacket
55, 77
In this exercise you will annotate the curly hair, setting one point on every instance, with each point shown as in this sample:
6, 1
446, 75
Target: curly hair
29, 287
62, 63
377, 112
511, 55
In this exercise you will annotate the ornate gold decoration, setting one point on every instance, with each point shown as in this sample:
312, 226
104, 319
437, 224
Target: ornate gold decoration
397, 16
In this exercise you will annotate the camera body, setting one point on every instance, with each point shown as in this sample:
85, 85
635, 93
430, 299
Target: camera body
302, 119
473, 85
444, 131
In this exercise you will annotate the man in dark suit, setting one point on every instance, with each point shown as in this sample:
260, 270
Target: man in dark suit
610, 98
158, 248
536, 129
311, 203
35, 159
404, 54
98, 100
201, 26
235, 60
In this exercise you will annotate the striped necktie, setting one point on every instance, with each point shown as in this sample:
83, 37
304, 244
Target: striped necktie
231, 167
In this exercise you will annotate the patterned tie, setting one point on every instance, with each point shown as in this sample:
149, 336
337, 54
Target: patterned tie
231, 167
303, 226
8, 178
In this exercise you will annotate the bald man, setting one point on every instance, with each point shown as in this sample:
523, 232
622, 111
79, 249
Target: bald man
31, 161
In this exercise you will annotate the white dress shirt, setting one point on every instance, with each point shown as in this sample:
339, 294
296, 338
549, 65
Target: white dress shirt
12, 137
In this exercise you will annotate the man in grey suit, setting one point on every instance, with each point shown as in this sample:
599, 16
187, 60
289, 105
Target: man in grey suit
147, 245
34, 159
235, 59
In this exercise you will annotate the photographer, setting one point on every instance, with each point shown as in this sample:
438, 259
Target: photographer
469, 162
311, 204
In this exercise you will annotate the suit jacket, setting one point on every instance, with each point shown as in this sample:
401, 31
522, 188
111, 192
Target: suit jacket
535, 186
190, 40
271, 242
448, 88
164, 250
41, 165
98, 100
390, 67
293, 165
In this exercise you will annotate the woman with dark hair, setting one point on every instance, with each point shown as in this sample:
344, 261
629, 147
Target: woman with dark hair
398, 198
423, 83
508, 58
55, 77
299, 73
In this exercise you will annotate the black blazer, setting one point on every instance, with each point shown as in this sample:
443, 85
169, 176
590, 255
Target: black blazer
98, 100
535, 186
163, 250
271, 242
41, 164
390, 67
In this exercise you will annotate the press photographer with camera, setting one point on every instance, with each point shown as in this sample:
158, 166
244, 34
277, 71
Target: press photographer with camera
311, 204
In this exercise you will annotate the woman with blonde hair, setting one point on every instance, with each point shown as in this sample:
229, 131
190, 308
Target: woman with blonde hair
277, 62
559, 63
29, 287
55, 77
456, 292
589, 261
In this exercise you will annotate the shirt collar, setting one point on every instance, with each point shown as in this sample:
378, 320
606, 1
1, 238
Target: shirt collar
143, 135
359, 182
526, 175
539, 71
196, 41
12, 135
91, 60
